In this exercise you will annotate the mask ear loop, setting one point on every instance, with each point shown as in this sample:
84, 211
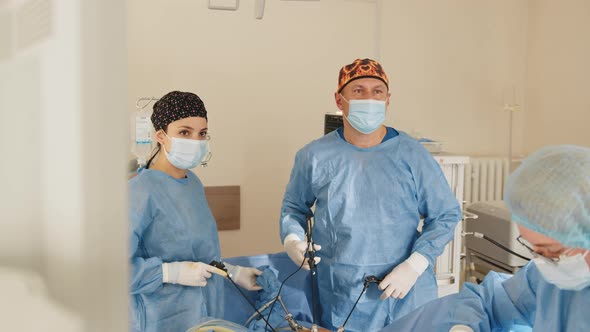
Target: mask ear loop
209, 154
164, 146
342, 96
348, 102
567, 251
206, 160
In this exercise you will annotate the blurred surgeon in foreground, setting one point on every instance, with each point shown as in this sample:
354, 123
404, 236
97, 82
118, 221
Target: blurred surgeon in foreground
549, 198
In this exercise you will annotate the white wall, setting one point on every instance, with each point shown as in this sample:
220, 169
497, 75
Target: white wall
63, 261
449, 63
20, 236
104, 175
267, 83
558, 73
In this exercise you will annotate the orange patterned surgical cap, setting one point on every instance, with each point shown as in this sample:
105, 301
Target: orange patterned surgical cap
361, 68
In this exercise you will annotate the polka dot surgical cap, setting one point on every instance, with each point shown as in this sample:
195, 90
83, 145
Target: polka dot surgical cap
177, 105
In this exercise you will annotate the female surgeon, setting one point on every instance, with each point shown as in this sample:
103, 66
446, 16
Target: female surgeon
173, 236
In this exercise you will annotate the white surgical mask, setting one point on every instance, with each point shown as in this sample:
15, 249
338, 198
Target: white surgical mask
570, 272
365, 115
186, 153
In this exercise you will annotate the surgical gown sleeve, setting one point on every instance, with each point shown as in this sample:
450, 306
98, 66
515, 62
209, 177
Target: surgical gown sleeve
436, 204
500, 303
298, 199
146, 273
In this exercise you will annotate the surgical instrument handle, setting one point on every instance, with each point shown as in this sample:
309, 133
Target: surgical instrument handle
312, 267
494, 242
222, 267
368, 281
469, 215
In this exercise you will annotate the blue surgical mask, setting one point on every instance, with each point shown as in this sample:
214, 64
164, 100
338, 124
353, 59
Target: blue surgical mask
570, 272
186, 153
365, 115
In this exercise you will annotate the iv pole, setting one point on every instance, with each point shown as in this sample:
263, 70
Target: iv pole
511, 108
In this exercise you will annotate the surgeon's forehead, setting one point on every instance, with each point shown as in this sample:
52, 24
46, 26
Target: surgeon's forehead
365, 84
194, 122
538, 239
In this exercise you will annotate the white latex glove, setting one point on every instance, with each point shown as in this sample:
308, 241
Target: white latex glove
296, 248
245, 277
403, 277
189, 273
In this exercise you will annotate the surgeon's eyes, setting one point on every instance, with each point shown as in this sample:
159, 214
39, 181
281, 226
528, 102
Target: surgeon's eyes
184, 133
359, 92
203, 134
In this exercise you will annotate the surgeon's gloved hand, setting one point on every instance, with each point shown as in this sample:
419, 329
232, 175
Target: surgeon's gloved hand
189, 273
296, 249
245, 277
403, 277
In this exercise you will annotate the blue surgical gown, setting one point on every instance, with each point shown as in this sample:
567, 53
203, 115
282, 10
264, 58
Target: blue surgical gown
504, 303
170, 221
368, 203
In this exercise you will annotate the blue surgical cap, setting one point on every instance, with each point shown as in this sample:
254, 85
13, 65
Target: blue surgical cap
550, 194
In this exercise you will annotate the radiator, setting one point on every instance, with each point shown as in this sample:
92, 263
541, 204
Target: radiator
448, 264
485, 178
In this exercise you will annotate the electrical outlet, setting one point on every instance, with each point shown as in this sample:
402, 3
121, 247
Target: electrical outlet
224, 4
259, 9
512, 107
